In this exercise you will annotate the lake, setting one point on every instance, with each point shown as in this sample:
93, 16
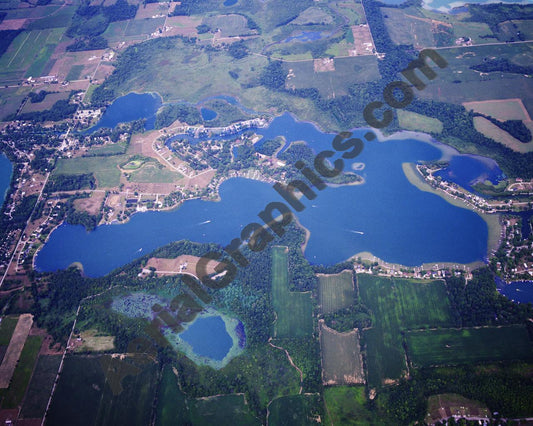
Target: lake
6, 171
386, 216
208, 337
208, 114
448, 5
130, 107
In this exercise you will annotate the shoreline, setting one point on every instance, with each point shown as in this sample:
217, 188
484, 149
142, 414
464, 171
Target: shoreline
492, 220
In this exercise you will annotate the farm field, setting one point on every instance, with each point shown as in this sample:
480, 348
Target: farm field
335, 291
490, 130
154, 172
7, 326
28, 54
40, 386
342, 363
469, 345
398, 304
347, 71
105, 169
47, 103
104, 390
295, 410
417, 122
230, 410
109, 149
13, 395
346, 406
293, 310
14, 349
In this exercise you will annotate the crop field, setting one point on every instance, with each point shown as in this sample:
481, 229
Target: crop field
457, 83
172, 404
295, 410
15, 348
293, 310
92, 340
54, 18
222, 410
342, 363
469, 345
47, 103
28, 53
40, 386
398, 304
348, 71
346, 406
105, 169
490, 130
404, 28
335, 291
418, 122
13, 395
7, 326
86, 61
143, 27
501, 109
104, 390
11, 99
448, 404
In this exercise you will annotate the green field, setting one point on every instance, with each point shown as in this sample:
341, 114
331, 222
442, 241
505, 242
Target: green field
7, 326
105, 169
172, 406
40, 386
230, 410
347, 406
28, 53
13, 395
348, 71
295, 410
421, 123
472, 345
397, 305
143, 27
293, 310
58, 19
107, 150
101, 390
335, 291
154, 172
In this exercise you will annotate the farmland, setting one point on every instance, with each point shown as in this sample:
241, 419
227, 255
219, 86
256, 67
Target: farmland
398, 304
103, 390
341, 357
295, 410
40, 386
335, 291
13, 395
469, 345
449, 404
413, 121
346, 405
105, 169
293, 310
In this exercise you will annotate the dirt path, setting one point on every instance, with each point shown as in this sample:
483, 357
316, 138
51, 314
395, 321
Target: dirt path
292, 363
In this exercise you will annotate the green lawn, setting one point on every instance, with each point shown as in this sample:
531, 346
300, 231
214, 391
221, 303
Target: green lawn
469, 345
293, 310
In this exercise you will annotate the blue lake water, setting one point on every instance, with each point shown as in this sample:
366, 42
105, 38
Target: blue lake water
519, 291
6, 171
466, 170
386, 216
208, 114
230, 2
130, 107
208, 337
448, 5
